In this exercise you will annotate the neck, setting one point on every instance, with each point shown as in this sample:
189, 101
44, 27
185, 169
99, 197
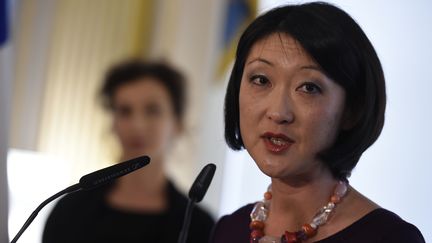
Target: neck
298, 198
142, 191
149, 181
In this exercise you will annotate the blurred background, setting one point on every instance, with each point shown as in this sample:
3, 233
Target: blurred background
53, 130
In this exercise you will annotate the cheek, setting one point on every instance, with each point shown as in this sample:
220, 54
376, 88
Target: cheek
243, 116
247, 116
167, 131
163, 133
322, 128
120, 127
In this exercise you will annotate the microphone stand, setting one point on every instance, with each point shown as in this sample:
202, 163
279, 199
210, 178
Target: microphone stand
70, 189
196, 194
186, 221
89, 182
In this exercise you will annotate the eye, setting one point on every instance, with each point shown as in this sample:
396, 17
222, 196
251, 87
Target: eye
123, 111
153, 109
309, 88
259, 79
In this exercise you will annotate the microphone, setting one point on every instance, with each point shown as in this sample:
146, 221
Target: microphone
202, 183
89, 182
196, 194
103, 176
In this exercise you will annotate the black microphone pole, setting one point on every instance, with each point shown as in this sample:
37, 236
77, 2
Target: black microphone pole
70, 189
196, 194
88, 182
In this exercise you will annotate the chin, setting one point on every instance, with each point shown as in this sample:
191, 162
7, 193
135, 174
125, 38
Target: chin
137, 153
280, 168
270, 168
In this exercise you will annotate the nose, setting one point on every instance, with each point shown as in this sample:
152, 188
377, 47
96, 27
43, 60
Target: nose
280, 108
138, 122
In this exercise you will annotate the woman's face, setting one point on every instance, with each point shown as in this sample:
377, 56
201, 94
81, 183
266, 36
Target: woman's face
289, 109
144, 119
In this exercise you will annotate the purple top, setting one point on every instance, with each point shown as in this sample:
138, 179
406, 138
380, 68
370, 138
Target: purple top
380, 225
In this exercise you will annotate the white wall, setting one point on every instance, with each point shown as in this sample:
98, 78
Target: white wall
23, 167
395, 172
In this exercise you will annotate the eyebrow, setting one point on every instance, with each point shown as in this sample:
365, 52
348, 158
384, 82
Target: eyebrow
259, 59
313, 67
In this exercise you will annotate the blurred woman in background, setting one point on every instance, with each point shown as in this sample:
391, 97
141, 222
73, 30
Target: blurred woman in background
147, 104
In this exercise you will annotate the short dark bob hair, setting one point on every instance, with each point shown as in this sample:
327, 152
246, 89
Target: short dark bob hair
130, 71
338, 44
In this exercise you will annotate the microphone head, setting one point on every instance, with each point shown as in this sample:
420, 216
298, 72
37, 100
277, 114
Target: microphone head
202, 183
108, 174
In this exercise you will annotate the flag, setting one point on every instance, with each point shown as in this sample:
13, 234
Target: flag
239, 14
3, 23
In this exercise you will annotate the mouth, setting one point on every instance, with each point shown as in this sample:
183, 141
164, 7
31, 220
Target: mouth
136, 144
277, 143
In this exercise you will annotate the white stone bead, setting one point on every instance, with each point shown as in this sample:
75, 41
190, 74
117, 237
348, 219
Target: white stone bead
259, 212
341, 189
313, 225
321, 217
330, 205
269, 239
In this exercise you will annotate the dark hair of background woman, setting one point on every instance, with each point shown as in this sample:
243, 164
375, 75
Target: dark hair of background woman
133, 70
339, 46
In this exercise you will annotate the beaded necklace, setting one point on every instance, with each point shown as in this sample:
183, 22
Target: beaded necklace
261, 209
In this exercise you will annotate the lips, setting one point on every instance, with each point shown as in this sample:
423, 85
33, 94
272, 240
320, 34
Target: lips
277, 143
136, 143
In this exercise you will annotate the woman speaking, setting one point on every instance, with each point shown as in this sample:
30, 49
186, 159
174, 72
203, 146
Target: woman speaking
306, 97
